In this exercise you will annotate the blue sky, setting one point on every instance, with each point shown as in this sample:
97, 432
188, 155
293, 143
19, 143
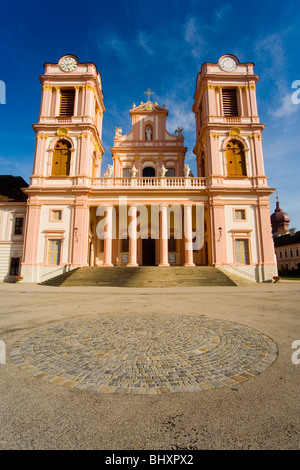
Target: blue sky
159, 44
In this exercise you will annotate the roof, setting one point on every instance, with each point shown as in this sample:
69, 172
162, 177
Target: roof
11, 188
286, 240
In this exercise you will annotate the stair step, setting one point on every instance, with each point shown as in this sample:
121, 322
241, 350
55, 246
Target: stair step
143, 276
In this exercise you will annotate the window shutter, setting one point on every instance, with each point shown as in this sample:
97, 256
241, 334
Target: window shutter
67, 100
230, 105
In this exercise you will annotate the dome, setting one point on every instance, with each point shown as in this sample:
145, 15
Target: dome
280, 220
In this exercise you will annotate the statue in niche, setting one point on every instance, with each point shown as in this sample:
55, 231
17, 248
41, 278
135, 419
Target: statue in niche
148, 132
118, 131
186, 170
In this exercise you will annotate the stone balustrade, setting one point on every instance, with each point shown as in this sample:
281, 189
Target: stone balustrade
149, 182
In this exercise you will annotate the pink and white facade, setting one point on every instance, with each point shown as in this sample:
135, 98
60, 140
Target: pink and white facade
147, 209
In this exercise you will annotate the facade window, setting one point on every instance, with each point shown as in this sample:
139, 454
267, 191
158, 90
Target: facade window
125, 245
240, 214
170, 172
291, 253
172, 245
67, 100
61, 158
297, 253
54, 252
230, 103
101, 245
126, 172
56, 215
235, 157
242, 251
280, 254
285, 254
19, 226
14, 267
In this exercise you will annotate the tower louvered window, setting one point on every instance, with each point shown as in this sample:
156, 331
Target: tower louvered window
230, 104
67, 100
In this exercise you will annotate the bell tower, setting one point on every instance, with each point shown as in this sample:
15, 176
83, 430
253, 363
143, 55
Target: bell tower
68, 156
69, 129
229, 155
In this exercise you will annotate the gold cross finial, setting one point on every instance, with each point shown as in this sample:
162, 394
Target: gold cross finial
149, 93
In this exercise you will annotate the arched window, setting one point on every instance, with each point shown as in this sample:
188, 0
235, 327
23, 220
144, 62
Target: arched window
61, 158
148, 171
126, 172
235, 156
170, 172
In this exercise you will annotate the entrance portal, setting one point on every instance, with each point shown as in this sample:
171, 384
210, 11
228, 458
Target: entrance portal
149, 172
148, 247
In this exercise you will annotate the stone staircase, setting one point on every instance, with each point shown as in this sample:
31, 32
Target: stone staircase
143, 276
58, 280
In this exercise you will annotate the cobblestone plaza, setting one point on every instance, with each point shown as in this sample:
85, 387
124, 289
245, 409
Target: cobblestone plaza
145, 354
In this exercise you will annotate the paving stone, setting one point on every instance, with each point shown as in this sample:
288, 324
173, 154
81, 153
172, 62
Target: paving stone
147, 354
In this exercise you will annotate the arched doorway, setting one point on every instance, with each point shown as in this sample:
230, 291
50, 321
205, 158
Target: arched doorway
148, 172
61, 158
235, 156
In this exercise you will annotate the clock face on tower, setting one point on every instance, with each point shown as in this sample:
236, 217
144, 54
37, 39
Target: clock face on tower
228, 64
68, 64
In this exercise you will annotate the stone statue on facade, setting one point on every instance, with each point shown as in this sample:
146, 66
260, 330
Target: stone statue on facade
109, 172
179, 131
118, 131
148, 133
134, 171
162, 171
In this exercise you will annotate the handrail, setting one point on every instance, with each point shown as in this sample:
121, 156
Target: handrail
55, 270
240, 271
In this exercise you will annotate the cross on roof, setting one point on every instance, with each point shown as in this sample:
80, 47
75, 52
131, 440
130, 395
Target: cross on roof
149, 93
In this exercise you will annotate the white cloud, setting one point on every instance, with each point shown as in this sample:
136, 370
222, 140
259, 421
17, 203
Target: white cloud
223, 11
12, 166
286, 107
193, 38
144, 39
271, 53
113, 42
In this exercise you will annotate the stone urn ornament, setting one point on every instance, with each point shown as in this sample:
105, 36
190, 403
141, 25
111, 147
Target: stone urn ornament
186, 170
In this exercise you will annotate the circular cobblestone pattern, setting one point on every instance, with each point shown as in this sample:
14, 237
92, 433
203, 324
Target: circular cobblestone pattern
148, 354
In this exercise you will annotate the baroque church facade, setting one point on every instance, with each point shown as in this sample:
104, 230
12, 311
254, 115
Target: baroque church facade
146, 208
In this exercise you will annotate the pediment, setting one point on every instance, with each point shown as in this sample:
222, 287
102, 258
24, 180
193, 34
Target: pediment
148, 107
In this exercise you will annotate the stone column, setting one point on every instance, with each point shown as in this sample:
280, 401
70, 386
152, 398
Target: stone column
188, 235
132, 233
163, 242
46, 101
108, 237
